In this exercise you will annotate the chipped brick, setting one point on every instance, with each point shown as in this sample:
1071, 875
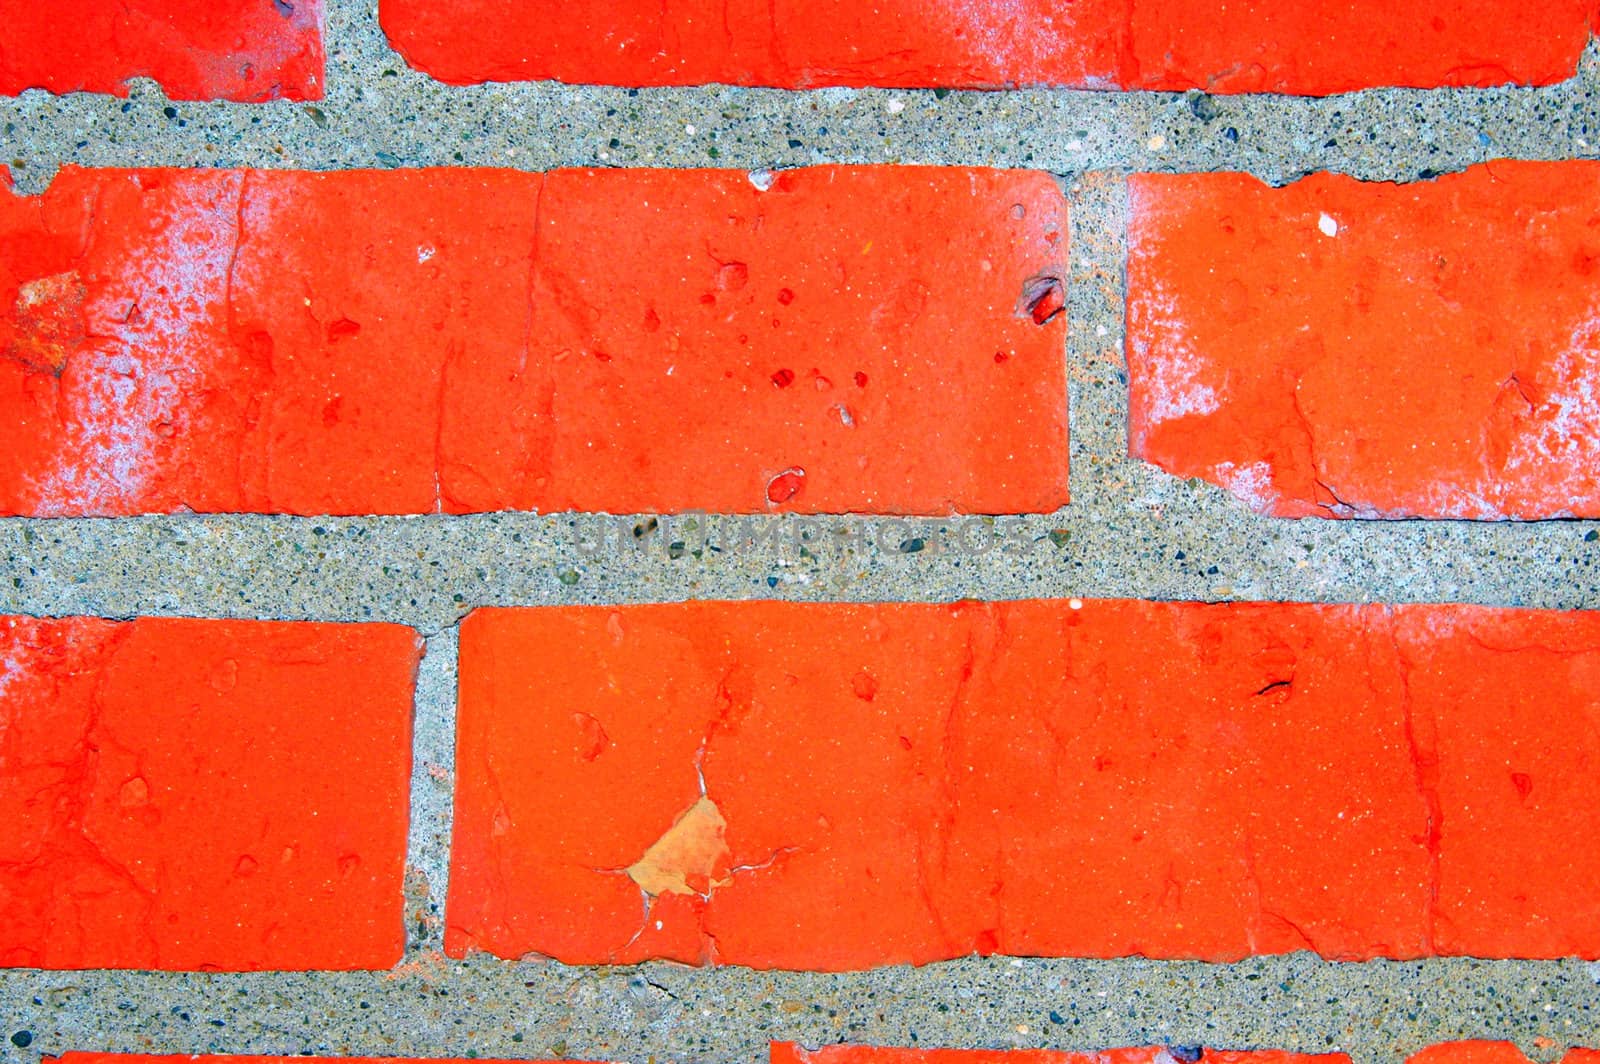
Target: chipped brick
1170, 780
1253, 46
244, 50
1342, 349
203, 795
477, 340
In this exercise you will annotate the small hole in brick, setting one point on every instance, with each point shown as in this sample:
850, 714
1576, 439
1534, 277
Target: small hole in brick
1043, 297
785, 485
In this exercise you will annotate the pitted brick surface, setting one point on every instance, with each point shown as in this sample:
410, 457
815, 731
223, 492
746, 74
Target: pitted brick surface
880, 340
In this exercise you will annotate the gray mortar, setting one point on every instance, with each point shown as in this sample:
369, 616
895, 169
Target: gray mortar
1121, 536
433, 764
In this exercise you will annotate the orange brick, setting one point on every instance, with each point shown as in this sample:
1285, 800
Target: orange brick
247, 50
1317, 49
1491, 1053
213, 795
793, 1053
1250, 46
849, 339
1341, 349
842, 786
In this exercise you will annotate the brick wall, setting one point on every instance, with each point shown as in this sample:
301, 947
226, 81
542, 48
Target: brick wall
941, 531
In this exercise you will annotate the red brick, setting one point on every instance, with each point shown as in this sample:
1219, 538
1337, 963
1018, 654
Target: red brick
908, 782
248, 50
793, 1053
1317, 49
850, 339
1253, 46
1342, 349
213, 795
1491, 1053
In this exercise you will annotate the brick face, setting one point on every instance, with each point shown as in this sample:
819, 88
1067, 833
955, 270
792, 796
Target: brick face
246, 50
848, 339
1257, 46
1345, 349
844, 786
215, 795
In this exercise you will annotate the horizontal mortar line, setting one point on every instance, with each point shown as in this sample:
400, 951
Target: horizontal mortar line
162, 154
452, 1006
1118, 127
354, 588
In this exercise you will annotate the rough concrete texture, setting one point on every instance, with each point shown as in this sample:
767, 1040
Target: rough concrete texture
1130, 531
